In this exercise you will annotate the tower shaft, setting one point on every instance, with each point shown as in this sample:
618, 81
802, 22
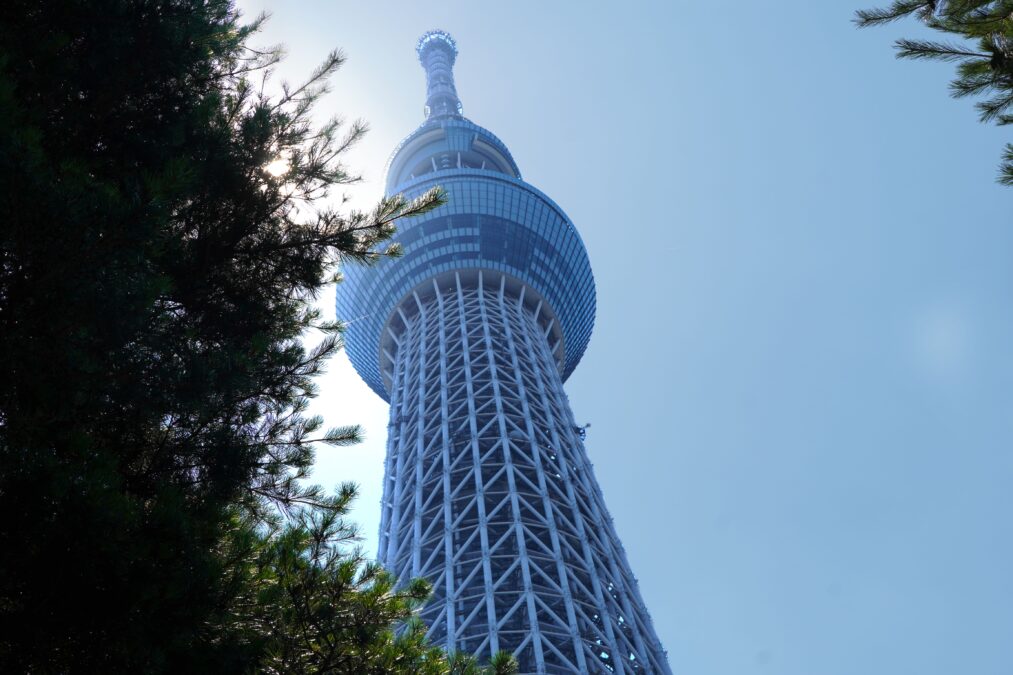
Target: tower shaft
489, 493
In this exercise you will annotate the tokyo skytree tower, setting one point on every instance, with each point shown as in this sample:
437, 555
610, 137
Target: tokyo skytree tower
488, 491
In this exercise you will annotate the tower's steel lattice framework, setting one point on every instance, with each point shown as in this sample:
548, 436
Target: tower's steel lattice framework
488, 491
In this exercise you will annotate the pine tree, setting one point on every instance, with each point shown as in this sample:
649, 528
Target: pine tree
984, 56
164, 229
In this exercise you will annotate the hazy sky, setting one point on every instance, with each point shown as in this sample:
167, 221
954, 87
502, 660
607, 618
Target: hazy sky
800, 382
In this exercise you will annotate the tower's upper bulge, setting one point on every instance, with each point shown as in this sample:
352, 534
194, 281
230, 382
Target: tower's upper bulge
449, 143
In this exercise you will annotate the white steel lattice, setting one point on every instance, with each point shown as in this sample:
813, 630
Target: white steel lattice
489, 493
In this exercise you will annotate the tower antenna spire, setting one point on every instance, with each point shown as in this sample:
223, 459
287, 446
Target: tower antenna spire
437, 52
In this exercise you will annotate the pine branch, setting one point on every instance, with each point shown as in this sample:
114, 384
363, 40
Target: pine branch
985, 71
1006, 168
994, 107
343, 436
939, 51
898, 10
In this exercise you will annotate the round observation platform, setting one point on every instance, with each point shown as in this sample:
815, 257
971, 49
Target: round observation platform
439, 39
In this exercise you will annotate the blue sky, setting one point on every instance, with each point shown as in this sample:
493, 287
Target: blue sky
800, 383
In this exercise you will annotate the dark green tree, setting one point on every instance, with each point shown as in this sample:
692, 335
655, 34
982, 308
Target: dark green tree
983, 52
164, 227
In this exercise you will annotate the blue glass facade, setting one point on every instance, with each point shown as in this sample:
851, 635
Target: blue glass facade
491, 221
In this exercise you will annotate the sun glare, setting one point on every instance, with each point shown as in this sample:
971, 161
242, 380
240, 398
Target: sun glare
278, 167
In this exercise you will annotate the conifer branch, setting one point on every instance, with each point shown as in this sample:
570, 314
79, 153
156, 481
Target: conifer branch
987, 70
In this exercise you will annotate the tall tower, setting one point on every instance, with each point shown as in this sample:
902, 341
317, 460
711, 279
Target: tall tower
488, 492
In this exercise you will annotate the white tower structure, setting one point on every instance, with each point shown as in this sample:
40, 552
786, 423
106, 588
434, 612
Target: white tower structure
489, 493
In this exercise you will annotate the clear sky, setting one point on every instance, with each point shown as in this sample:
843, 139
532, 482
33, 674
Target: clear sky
800, 382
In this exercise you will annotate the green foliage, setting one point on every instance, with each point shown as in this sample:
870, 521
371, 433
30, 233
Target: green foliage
164, 227
984, 58
318, 607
